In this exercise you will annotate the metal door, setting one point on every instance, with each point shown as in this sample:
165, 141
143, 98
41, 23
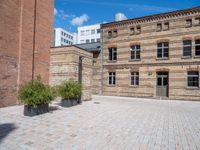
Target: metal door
162, 84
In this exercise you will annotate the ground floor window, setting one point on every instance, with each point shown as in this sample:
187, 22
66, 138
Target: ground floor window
135, 78
112, 78
193, 79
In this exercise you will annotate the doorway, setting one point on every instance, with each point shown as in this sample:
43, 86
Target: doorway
162, 85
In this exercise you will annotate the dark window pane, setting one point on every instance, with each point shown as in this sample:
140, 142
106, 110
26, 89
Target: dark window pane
187, 51
166, 44
165, 81
187, 42
159, 44
159, 81
197, 41
197, 50
193, 73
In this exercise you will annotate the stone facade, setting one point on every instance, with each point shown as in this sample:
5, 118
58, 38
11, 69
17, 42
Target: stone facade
146, 32
26, 29
65, 65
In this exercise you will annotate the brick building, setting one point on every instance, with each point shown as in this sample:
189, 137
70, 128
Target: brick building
26, 29
154, 56
72, 63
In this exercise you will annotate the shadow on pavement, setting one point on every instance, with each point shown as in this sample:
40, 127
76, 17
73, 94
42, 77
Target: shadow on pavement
6, 129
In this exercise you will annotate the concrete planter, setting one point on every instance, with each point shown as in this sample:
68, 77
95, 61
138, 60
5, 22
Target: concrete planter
69, 103
33, 111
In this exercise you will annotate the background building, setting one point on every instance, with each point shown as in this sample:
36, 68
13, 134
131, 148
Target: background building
88, 34
62, 37
26, 29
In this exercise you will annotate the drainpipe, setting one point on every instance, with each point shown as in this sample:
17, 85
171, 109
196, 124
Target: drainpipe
101, 65
34, 30
80, 68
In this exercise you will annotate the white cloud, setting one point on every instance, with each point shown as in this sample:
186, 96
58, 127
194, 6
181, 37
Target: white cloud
78, 21
55, 12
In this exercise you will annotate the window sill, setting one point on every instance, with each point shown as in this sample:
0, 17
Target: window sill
197, 56
109, 85
192, 88
111, 61
134, 86
133, 60
186, 57
167, 58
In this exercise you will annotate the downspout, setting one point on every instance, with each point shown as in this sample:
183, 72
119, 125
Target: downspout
101, 65
34, 30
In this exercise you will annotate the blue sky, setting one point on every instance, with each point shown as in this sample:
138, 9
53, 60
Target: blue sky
69, 14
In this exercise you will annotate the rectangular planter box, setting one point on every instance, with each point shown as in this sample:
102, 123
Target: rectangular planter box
32, 111
69, 103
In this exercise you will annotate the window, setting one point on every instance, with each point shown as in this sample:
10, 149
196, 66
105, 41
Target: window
92, 40
159, 27
112, 78
166, 26
197, 47
93, 31
87, 41
98, 40
135, 78
132, 30
188, 22
193, 79
163, 50
61, 39
87, 32
82, 41
187, 48
62, 33
112, 53
138, 29
197, 20
82, 33
135, 52
115, 33
109, 34
98, 30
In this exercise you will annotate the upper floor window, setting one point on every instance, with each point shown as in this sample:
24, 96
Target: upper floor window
98, 40
82, 33
197, 20
115, 33
135, 52
135, 78
163, 50
112, 53
92, 40
132, 31
188, 22
187, 48
159, 27
62, 39
193, 79
112, 78
166, 26
197, 47
109, 34
93, 31
87, 32
98, 30
138, 29
82, 41
62, 33
87, 41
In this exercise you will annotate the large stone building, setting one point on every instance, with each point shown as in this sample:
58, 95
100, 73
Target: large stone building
26, 28
154, 56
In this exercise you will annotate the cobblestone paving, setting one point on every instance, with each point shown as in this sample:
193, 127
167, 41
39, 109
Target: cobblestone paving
106, 123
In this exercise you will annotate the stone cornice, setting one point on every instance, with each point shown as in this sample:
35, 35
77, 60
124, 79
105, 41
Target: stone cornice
173, 14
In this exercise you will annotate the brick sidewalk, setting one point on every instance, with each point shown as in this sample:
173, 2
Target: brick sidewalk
106, 123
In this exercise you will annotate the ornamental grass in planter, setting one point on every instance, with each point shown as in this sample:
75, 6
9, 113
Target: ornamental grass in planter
36, 97
70, 91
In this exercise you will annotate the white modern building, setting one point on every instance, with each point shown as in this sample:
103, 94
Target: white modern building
62, 37
88, 34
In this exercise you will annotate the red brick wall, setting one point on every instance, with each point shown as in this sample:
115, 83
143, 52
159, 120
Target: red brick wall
16, 44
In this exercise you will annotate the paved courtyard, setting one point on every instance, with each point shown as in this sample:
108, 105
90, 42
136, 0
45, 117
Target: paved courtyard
105, 123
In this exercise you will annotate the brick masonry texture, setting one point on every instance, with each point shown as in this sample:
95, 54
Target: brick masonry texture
16, 44
149, 65
65, 66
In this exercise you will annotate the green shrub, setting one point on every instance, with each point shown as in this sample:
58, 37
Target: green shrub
35, 93
70, 90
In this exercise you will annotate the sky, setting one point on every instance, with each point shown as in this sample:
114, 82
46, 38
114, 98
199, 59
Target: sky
70, 14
